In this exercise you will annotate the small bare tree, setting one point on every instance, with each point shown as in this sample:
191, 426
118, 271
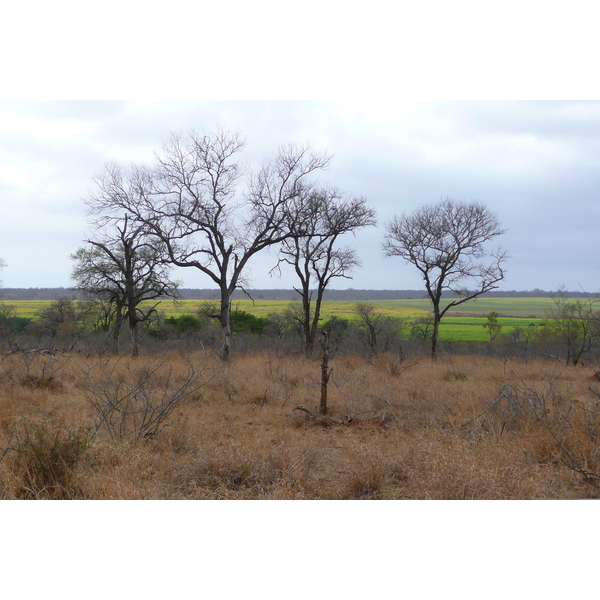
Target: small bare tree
325, 371
379, 330
576, 323
318, 219
198, 209
446, 243
123, 265
63, 318
422, 328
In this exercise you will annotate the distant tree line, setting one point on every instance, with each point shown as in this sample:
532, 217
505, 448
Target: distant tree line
570, 331
349, 295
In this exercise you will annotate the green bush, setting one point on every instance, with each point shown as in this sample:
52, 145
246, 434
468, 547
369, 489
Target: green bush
15, 324
337, 327
184, 323
244, 322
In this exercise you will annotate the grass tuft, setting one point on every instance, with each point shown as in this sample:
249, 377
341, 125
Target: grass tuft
40, 460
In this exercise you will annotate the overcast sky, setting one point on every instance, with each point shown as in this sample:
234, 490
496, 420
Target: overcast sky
535, 163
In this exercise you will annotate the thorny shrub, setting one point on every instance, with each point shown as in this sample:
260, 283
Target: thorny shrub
559, 431
138, 400
33, 368
40, 459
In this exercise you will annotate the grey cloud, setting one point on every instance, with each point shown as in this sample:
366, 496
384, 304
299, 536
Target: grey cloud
536, 164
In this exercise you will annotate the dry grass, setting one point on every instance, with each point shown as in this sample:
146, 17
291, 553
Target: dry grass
457, 428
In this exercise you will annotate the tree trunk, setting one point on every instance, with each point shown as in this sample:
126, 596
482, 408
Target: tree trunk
436, 327
116, 332
225, 321
133, 334
372, 338
315, 320
325, 373
306, 324
308, 341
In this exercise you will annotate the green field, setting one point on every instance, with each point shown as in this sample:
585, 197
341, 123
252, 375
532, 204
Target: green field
27, 308
505, 307
463, 323
470, 329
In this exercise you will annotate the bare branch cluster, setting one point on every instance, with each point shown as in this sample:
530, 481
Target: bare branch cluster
124, 264
576, 323
194, 209
446, 242
138, 403
317, 219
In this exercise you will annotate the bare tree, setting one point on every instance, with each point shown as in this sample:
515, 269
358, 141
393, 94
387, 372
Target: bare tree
206, 220
446, 243
379, 330
422, 328
576, 323
63, 319
319, 218
124, 265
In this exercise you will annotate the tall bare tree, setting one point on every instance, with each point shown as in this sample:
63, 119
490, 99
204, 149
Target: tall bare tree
320, 216
446, 242
124, 265
206, 219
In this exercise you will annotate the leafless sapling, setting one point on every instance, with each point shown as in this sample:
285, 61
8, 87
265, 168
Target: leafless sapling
380, 331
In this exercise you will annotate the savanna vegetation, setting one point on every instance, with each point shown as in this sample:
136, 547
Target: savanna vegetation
123, 394
79, 321
515, 415
186, 425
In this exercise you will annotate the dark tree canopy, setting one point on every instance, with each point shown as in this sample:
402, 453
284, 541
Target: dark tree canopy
446, 242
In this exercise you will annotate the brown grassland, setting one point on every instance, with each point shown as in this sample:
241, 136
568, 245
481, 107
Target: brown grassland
188, 427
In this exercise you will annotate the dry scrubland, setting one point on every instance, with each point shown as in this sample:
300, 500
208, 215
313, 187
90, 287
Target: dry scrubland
458, 428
